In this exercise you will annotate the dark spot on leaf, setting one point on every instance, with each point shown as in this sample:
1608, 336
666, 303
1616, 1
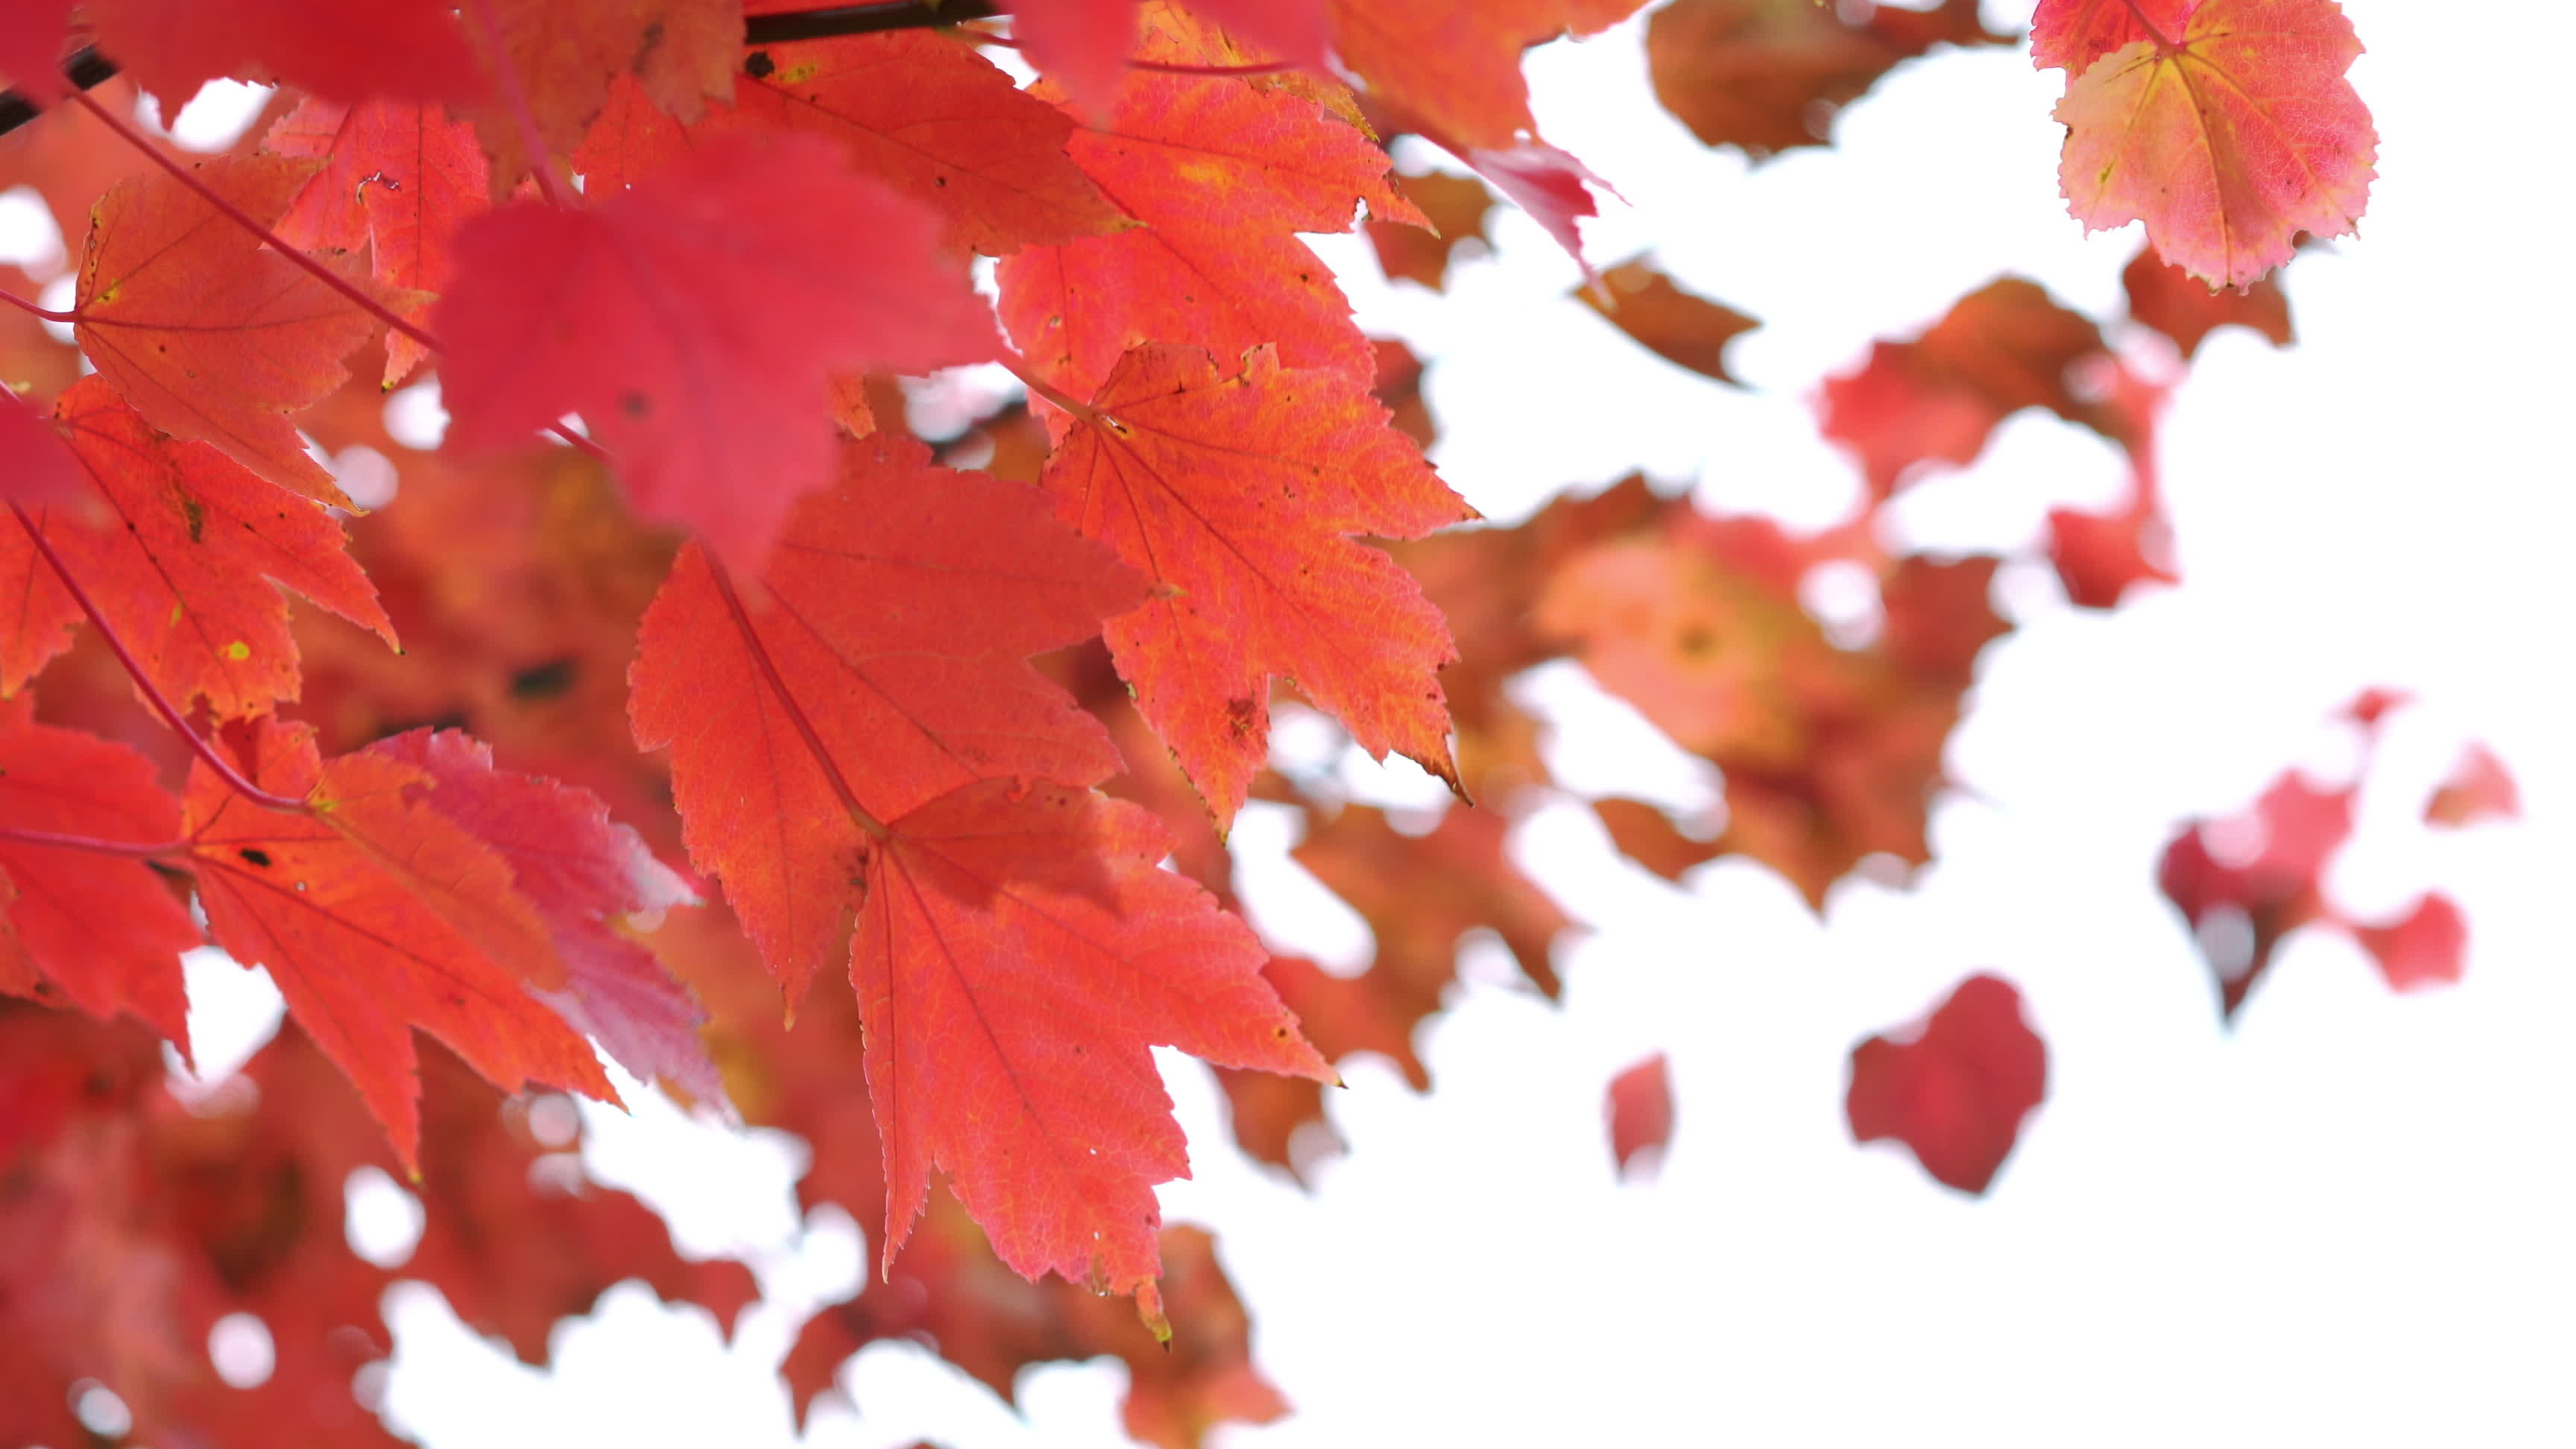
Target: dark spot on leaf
255, 856
634, 404
550, 680
758, 65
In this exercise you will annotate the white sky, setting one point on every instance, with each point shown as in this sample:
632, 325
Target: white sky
2348, 1223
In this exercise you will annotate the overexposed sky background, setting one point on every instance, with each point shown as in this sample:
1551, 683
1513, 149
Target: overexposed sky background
2345, 1222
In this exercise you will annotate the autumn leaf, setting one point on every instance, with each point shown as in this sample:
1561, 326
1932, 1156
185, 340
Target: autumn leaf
1955, 1086
695, 344
405, 50
396, 179
1683, 329
2229, 130
1639, 1105
937, 123
97, 928
183, 565
1224, 175
1454, 66
2070, 35
1768, 75
1453, 209
566, 56
376, 915
35, 467
2166, 298
1238, 495
2479, 787
885, 653
211, 336
2244, 881
2428, 946
585, 875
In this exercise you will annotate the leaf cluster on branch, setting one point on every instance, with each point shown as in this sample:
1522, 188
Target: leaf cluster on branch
682, 680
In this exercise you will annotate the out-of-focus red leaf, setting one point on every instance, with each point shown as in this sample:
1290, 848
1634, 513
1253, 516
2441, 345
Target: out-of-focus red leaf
35, 467
1683, 329
1640, 1109
408, 50
2428, 946
1453, 209
32, 47
2172, 301
2245, 882
1239, 495
1553, 187
2478, 788
100, 930
2228, 132
210, 335
1955, 1086
681, 52
184, 564
1768, 75
655, 315
1646, 835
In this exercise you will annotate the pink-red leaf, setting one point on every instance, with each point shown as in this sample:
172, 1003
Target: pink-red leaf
1640, 1107
1953, 1087
2478, 788
1238, 495
2428, 946
412, 50
694, 321
2228, 134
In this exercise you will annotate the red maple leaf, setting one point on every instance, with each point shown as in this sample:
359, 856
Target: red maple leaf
411, 50
695, 343
1639, 1105
173, 293
2428, 946
1954, 1087
858, 754
397, 178
2229, 129
1454, 66
179, 562
375, 915
1238, 495
99, 929
1224, 175
2479, 787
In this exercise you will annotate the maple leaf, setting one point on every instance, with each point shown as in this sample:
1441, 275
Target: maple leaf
1639, 1105
1237, 496
1954, 1087
1376, 1011
2070, 35
897, 615
922, 113
1453, 210
1648, 836
31, 48
584, 874
397, 178
2245, 882
2478, 788
2166, 298
2425, 947
662, 315
1767, 75
1685, 330
1548, 184
1224, 175
410, 50
2229, 130
376, 915
179, 566
567, 56
35, 467
98, 929
1454, 66
208, 334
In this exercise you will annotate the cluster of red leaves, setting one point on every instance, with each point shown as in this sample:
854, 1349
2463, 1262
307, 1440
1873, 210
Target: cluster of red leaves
823, 697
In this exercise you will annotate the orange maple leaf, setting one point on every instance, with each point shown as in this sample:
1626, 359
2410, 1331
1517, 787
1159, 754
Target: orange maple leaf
1239, 496
2228, 131
375, 915
205, 331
